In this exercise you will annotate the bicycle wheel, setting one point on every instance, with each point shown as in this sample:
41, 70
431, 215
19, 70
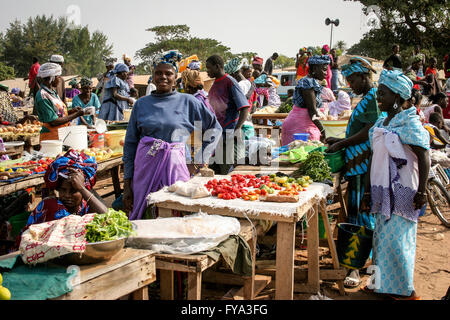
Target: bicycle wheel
439, 200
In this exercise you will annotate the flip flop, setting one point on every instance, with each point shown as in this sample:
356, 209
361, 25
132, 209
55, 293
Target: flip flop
352, 282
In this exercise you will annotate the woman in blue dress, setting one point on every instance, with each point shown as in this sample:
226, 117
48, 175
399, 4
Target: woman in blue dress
86, 99
117, 97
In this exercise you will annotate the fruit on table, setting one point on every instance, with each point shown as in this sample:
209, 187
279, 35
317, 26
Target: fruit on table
5, 294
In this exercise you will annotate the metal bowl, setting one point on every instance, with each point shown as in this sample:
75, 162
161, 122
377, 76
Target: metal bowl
95, 252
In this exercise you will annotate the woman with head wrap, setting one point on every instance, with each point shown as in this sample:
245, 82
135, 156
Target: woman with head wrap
74, 90
73, 177
327, 96
117, 96
132, 68
326, 52
300, 63
398, 175
103, 78
307, 100
358, 74
52, 112
343, 103
193, 84
157, 148
86, 99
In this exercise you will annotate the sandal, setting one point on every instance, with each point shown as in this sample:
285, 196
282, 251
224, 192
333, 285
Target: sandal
352, 282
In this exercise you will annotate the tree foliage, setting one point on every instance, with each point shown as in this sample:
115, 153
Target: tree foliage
284, 62
6, 72
43, 36
407, 23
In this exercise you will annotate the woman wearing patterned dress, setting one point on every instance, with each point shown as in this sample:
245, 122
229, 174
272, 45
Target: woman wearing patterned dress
356, 144
398, 177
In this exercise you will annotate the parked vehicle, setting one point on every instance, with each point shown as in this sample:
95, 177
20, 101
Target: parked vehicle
287, 81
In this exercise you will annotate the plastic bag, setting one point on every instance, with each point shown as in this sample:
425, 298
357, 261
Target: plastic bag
187, 235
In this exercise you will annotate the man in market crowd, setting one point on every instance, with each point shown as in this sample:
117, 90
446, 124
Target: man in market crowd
395, 58
60, 84
257, 65
231, 108
301, 63
334, 71
422, 56
268, 67
32, 83
411, 73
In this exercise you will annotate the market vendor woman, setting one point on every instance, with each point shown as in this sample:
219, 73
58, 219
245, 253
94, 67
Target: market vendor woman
356, 144
307, 100
52, 112
160, 124
73, 177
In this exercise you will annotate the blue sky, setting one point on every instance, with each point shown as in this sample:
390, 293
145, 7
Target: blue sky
259, 26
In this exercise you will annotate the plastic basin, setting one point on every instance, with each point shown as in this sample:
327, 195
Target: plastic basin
301, 136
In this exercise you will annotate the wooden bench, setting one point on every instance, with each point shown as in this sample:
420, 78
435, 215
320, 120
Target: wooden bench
195, 265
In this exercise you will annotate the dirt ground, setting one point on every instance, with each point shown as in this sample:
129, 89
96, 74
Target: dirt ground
432, 269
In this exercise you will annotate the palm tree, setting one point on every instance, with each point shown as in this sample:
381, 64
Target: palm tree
341, 45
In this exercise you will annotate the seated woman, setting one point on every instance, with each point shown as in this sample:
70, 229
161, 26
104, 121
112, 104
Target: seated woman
73, 177
356, 145
439, 102
434, 127
193, 84
327, 96
307, 100
86, 99
398, 177
52, 112
155, 144
117, 97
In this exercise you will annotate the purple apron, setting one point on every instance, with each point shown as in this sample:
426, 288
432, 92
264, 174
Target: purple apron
157, 164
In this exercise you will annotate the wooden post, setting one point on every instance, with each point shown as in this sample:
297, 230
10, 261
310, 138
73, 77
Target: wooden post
194, 286
116, 181
166, 284
249, 282
331, 244
284, 279
313, 250
140, 294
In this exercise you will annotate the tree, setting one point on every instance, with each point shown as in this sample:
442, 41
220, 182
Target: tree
43, 36
6, 72
284, 62
407, 23
340, 45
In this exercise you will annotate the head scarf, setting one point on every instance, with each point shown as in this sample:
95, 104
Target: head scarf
126, 58
257, 60
195, 65
342, 103
121, 67
357, 64
72, 159
110, 62
261, 79
319, 60
397, 82
191, 78
85, 82
73, 82
15, 90
310, 49
273, 81
56, 58
234, 65
172, 57
49, 69
326, 47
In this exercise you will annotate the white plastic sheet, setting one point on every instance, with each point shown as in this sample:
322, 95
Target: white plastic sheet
187, 235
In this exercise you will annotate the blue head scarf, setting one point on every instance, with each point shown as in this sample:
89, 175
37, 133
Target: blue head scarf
121, 67
195, 65
171, 57
357, 65
261, 79
235, 65
319, 60
397, 82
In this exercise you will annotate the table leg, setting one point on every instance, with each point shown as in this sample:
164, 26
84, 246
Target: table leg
313, 251
249, 283
331, 244
116, 181
284, 277
194, 286
140, 294
166, 284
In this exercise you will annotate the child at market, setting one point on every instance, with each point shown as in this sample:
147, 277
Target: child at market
434, 127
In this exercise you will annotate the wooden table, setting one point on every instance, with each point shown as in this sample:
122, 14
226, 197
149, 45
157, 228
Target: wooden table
128, 272
37, 180
269, 116
284, 282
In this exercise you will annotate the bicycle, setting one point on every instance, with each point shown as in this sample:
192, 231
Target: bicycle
437, 194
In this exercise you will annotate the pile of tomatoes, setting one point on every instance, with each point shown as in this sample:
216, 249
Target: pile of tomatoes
35, 166
237, 187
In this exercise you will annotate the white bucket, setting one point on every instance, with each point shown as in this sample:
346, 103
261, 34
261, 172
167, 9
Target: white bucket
74, 136
51, 148
335, 128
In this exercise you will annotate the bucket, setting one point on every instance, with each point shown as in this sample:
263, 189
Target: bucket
126, 114
335, 160
74, 137
353, 245
114, 139
18, 222
95, 139
51, 148
301, 136
335, 128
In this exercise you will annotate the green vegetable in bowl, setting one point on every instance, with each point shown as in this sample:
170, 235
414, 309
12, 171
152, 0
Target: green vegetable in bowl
109, 226
315, 166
